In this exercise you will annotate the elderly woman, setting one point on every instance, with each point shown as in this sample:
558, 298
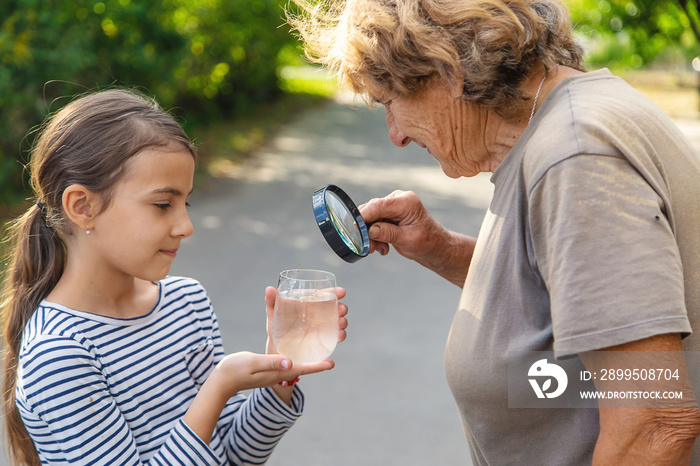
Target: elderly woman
591, 240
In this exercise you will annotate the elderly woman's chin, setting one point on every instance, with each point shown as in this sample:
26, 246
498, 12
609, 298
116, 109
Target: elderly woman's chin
455, 171
452, 173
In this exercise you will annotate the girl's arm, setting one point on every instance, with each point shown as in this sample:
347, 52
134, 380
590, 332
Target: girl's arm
71, 415
237, 372
252, 427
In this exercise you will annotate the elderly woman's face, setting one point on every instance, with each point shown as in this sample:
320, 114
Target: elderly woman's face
440, 122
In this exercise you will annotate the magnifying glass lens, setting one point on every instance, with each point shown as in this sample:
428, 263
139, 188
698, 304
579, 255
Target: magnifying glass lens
343, 221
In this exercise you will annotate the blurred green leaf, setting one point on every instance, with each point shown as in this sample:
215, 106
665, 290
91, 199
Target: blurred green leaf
207, 59
632, 33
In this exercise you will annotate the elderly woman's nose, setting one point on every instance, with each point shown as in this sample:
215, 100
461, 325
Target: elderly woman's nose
398, 138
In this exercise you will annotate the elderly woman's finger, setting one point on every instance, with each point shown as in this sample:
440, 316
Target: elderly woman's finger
381, 248
370, 211
386, 233
392, 207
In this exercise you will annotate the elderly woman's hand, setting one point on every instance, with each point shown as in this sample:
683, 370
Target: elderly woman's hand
401, 219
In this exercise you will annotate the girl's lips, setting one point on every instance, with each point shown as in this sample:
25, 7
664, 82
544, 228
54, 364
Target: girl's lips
169, 252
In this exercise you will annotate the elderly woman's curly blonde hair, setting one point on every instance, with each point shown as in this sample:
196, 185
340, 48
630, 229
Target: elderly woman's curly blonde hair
385, 49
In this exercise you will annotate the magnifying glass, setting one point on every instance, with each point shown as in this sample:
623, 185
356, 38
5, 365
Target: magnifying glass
341, 223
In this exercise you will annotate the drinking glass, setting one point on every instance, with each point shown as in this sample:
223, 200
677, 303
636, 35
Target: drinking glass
305, 322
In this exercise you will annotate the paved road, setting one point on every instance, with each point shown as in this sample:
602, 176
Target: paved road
386, 402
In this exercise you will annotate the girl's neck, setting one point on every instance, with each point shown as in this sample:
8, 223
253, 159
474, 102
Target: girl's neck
89, 289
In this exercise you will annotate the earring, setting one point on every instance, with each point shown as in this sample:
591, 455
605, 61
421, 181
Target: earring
88, 232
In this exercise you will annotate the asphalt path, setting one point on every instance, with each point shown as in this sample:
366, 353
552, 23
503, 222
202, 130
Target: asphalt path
387, 401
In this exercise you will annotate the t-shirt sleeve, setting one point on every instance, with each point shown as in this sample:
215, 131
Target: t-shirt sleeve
607, 254
61, 387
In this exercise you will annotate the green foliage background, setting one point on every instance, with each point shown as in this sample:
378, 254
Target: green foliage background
634, 33
206, 59
213, 60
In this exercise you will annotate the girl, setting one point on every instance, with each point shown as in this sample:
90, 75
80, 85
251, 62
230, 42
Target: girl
106, 359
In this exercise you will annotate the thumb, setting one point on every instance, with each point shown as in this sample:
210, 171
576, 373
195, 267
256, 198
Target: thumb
277, 362
384, 232
270, 297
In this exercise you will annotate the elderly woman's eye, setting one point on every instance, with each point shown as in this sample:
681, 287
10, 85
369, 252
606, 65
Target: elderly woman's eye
381, 101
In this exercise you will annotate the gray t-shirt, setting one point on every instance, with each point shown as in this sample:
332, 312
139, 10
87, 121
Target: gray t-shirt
591, 240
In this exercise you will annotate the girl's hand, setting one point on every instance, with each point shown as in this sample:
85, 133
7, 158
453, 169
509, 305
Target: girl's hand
271, 296
243, 371
246, 370
285, 393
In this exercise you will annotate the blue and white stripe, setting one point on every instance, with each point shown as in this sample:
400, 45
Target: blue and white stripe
97, 390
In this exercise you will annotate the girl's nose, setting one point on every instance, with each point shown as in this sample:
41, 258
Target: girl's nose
184, 227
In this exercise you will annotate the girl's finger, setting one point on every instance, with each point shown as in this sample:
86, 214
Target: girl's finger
340, 292
314, 367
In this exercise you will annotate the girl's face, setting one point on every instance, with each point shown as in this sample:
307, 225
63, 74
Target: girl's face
140, 231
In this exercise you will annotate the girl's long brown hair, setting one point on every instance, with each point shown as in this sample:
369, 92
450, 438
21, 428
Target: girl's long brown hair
87, 143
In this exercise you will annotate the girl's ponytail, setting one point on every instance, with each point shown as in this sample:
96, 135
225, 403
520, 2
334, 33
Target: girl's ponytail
35, 264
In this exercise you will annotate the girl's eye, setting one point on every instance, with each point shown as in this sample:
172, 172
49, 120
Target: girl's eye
187, 204
162, 206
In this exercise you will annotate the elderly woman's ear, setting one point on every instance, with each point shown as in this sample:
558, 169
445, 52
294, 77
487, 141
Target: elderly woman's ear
456, 86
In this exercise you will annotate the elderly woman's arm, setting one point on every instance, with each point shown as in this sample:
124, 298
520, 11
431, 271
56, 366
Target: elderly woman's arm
401, 219
664, 435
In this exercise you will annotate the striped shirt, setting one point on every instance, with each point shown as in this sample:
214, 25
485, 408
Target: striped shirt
99, 390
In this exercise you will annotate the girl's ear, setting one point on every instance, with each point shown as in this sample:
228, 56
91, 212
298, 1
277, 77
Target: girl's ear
80, 205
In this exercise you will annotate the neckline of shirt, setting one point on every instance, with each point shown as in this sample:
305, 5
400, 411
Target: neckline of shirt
110, 320
602, 73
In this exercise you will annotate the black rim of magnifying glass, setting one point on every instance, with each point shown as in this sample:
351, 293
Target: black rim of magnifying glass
330, 233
